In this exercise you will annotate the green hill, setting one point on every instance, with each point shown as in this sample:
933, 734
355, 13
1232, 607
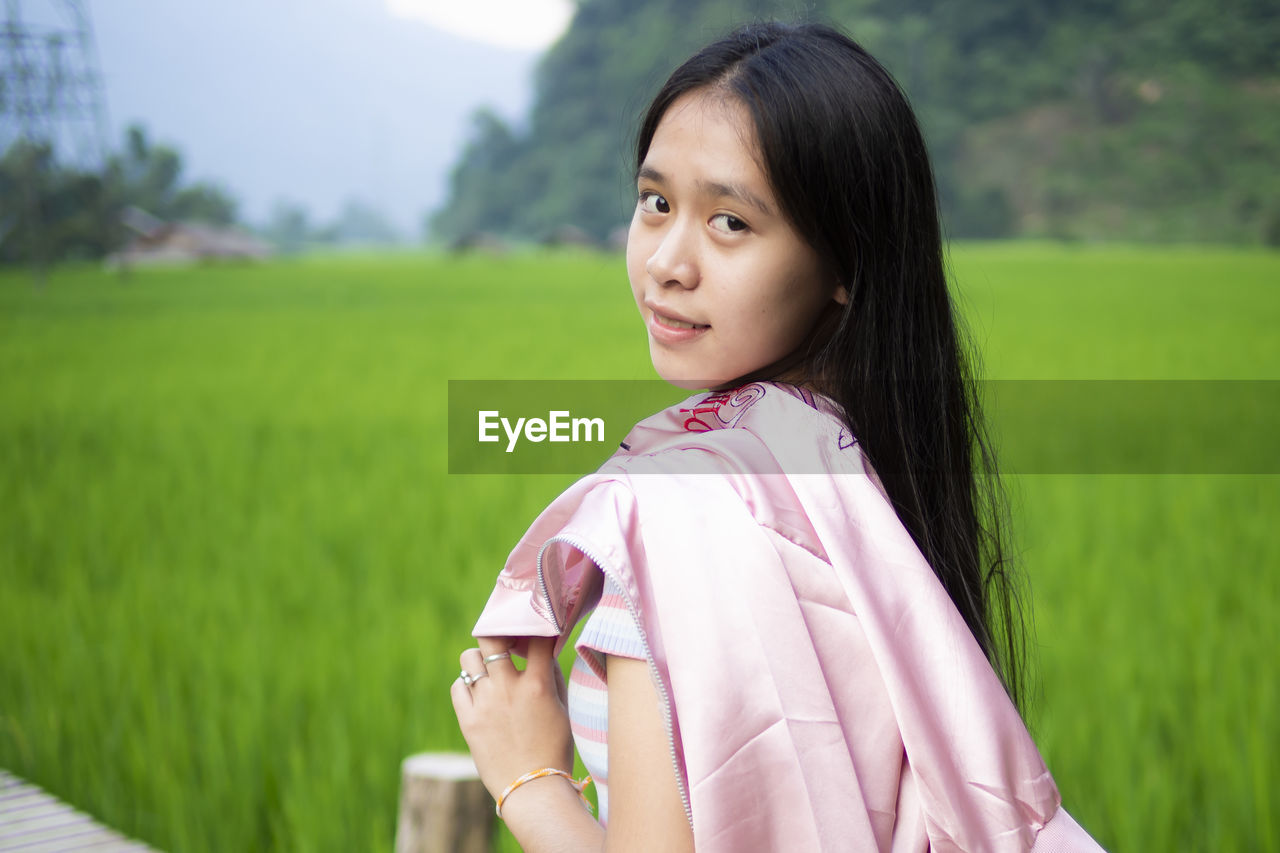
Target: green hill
1129, 120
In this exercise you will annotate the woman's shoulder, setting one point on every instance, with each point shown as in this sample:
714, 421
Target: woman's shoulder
757, 428
719, 467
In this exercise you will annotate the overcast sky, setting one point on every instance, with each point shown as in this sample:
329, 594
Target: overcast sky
314, 101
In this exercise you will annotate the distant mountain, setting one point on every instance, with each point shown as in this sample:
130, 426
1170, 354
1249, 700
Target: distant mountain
314, 101
1124, 120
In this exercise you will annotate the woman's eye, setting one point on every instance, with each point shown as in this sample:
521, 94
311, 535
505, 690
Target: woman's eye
727, 222
653, 203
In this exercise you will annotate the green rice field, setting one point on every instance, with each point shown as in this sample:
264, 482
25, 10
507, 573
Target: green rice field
235, 574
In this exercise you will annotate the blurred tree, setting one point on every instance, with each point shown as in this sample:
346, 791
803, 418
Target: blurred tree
289, 228
50, 213
360, 223
148, 176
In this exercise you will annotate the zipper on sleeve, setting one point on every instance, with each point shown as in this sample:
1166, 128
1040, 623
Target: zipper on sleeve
586, 549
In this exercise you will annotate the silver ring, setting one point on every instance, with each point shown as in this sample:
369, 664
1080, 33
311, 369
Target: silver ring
498, 656
469, 679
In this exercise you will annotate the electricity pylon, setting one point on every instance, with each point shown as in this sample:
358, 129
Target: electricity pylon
51, 90
51, 95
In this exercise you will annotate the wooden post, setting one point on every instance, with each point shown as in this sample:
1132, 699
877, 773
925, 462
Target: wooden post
444, 808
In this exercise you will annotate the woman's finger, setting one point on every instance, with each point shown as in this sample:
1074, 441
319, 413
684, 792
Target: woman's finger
460, 694
473, 668
497, 655
542, 661
540, 651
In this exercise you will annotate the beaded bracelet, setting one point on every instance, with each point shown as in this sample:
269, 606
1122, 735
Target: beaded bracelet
578, 785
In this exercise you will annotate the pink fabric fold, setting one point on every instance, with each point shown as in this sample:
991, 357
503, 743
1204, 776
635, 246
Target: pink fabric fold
822, 691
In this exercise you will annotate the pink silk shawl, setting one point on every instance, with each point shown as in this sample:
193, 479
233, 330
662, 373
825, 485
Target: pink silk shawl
821, 690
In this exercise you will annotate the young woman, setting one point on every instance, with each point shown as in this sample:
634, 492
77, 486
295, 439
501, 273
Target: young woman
796, 602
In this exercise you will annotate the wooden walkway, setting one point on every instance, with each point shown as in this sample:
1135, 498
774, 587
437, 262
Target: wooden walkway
32, 821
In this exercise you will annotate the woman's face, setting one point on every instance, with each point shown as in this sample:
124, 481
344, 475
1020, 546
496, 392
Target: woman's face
723, 282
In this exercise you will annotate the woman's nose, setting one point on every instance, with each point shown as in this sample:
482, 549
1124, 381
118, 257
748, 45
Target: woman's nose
674, 258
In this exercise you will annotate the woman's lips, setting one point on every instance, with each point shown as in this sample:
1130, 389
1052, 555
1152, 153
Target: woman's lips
670, 330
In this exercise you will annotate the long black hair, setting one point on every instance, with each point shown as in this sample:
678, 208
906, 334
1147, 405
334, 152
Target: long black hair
847, 163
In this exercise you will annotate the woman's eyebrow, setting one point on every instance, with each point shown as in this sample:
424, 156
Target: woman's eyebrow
737, 192
715, 189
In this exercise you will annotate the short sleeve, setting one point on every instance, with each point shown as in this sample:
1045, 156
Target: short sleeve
610, 630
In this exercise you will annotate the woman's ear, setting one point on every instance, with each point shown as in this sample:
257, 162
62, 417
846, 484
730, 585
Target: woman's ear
841, 295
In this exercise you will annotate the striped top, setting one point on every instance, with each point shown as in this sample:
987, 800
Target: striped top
610, 630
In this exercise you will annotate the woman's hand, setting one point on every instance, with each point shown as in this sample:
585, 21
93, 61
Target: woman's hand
517, 721
514, 721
